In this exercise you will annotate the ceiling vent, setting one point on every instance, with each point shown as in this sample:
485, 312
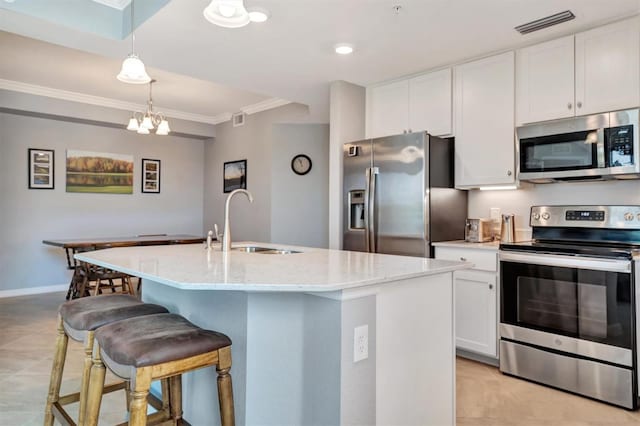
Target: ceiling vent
548, 21
238, 119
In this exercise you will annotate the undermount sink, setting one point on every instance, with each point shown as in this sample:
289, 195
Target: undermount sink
263, 250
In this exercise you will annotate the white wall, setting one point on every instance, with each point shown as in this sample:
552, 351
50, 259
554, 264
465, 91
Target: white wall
253, 142
300, 204
27, 216
347, 117
519, 201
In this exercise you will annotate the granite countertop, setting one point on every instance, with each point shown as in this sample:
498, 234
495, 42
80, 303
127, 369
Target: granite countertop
491, 245
192, 267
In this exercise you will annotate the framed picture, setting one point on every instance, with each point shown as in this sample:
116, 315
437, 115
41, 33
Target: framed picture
41, 168
235, 175
99, 172
150, 175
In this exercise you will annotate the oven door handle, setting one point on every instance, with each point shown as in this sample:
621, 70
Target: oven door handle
597, 264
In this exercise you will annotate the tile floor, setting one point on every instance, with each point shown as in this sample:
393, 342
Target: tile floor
485, 397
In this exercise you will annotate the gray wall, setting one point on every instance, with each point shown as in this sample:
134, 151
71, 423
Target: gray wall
300, 204
255, 142
29, 216
347, 117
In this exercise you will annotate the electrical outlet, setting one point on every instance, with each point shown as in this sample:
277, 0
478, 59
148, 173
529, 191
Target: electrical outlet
360, 343
495, 213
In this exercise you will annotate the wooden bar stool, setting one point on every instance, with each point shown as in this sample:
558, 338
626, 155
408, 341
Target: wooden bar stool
78, 319
155, 347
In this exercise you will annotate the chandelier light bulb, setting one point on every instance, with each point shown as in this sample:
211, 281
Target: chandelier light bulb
133, 124
226, 10
146, 123
163, 128
143, 131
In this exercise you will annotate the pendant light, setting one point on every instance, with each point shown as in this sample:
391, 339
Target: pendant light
133, 70
227, 13
144, 122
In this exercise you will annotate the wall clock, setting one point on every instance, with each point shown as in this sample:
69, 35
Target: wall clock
301, 164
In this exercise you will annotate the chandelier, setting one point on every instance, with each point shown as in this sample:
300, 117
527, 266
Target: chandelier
144, 122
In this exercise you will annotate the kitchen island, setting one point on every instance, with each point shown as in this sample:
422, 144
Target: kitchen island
298, 321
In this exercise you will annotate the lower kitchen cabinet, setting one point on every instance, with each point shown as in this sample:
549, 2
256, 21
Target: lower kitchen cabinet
476, 296
476, 312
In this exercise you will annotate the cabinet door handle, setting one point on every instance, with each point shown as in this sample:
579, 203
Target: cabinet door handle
579, 104
490, 286
404, 131
508, 172
464, 259
569, 105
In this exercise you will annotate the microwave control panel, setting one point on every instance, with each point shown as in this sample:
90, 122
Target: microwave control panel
620, 146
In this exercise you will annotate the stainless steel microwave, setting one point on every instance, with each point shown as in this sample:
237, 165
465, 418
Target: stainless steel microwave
595, 147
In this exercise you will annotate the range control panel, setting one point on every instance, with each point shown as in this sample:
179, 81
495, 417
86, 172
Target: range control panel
612, 217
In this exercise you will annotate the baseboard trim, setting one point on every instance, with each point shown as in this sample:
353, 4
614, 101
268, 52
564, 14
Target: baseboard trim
478, 357
33, 290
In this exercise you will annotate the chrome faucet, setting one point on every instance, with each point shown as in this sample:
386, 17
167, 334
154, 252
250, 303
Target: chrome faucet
226, 237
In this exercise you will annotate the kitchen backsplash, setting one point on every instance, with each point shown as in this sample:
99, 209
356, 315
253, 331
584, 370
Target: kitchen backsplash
519, 201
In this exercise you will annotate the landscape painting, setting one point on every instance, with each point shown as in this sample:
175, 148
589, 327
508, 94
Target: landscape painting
235, 175
99, 172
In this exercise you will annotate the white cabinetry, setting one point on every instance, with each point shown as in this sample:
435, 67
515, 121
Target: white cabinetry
594, 71
387, 109
476, 299
608, 68
484, 122
544, 81
421, 103
430, 103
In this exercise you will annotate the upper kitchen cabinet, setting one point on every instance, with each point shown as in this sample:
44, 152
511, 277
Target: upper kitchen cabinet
484, 122
594, 71
430, 103
608, 68
387, 109
421, 103
544, 81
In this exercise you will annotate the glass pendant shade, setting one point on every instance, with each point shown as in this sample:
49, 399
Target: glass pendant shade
143, 131
227, 13
133, 71
163, 128
133, 124
146, 123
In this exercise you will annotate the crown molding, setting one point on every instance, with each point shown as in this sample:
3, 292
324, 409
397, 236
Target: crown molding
264, 105
50, 92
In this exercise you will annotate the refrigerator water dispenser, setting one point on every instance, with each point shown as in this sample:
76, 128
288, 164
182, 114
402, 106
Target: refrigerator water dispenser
356, 209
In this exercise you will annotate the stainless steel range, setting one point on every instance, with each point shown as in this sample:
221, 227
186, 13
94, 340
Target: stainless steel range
568, 302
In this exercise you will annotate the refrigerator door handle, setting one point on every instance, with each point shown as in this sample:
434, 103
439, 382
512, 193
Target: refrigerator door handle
367, 210
371, 237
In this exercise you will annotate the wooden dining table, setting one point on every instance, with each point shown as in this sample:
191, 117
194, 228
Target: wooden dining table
76, 245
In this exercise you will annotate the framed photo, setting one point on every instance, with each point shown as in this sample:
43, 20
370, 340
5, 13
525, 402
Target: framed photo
41, 165
150, 175
99, 172
235, 175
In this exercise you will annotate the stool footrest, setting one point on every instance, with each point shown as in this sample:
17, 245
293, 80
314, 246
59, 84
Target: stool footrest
61, 415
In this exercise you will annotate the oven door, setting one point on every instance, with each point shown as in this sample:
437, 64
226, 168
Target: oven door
579, 305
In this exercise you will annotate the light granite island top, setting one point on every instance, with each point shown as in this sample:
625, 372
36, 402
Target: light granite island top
293, 319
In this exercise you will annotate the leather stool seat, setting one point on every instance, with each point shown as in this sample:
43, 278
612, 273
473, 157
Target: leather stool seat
89, 313
78, 319
158, 346
155, 339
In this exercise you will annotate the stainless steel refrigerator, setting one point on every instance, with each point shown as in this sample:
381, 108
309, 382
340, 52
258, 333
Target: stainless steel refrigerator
399, 196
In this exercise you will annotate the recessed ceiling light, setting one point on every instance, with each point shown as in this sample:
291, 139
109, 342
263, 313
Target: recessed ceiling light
258, 14
344, 48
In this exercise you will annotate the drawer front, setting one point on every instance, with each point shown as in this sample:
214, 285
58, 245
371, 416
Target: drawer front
483, 260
